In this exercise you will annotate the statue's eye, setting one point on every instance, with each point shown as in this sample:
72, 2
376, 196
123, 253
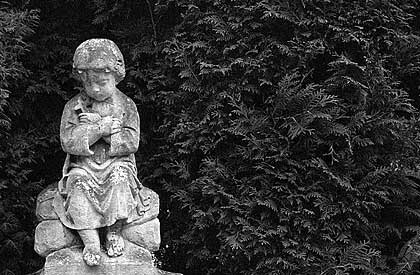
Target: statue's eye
102, 82
101, 71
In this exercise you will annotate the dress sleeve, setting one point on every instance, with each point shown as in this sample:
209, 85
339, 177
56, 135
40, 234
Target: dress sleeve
76, 138
126, 141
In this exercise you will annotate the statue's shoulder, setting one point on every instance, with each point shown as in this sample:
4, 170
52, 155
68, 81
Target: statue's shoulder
73, 101
126, 100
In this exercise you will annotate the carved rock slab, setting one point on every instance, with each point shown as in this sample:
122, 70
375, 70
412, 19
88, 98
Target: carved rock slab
135, 261
146, 235
44, 208
52, 235
153, 212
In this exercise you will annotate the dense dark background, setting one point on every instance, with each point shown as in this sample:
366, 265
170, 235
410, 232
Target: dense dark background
282, 136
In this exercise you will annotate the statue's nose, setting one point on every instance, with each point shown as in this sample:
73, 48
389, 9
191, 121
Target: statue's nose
95, 87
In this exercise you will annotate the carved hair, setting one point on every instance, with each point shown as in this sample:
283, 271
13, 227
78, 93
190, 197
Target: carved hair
99, 53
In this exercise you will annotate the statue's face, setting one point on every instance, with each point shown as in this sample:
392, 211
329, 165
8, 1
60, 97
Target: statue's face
99, 84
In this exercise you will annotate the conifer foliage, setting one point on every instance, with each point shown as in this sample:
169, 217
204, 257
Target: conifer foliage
282, 136
15, 26
293, 147
16, 223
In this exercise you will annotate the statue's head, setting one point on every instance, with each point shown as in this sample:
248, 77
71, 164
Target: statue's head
99, 64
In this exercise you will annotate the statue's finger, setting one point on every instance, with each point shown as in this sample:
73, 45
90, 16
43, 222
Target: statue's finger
115, 130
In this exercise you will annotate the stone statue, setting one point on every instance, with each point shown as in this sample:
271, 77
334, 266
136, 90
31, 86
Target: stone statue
100, 134
99, 190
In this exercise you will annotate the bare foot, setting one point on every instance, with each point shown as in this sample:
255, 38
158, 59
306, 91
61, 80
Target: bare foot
91, 252
91, 257
114, 244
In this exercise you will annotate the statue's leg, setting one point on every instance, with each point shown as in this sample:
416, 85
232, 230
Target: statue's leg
114, 240
121, 207
91, 252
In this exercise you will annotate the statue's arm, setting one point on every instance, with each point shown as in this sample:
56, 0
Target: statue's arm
75, 137
126, 141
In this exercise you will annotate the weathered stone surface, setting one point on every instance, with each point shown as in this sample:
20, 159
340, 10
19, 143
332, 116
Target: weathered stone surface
146, 235
99, 132
135, 261
153, 204
161, 272
52, 235
44, 208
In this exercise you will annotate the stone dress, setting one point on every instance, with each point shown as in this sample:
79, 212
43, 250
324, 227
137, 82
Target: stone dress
99, 184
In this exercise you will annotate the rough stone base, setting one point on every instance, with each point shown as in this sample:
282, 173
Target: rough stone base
52, 235
146, 235
44, 208
135, 261
153, 203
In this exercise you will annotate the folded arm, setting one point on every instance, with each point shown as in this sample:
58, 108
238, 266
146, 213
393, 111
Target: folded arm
76, 137
126, 140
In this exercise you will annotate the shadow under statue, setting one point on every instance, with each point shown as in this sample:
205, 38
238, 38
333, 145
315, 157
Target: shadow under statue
99, 218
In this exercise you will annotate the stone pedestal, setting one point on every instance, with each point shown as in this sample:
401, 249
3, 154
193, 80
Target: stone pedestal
135, 261
44, 208
63, 248
51, 236
146, 235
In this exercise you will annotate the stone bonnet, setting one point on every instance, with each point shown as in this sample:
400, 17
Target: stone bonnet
99, 53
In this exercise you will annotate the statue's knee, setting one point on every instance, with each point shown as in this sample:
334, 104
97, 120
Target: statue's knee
119, 174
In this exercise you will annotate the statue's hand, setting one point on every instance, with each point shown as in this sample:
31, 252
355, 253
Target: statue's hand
89, 118
106, 125
116, 126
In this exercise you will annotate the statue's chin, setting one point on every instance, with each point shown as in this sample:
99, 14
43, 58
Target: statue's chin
100, 98
102, 95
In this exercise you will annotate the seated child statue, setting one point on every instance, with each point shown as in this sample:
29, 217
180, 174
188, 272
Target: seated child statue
100, 133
